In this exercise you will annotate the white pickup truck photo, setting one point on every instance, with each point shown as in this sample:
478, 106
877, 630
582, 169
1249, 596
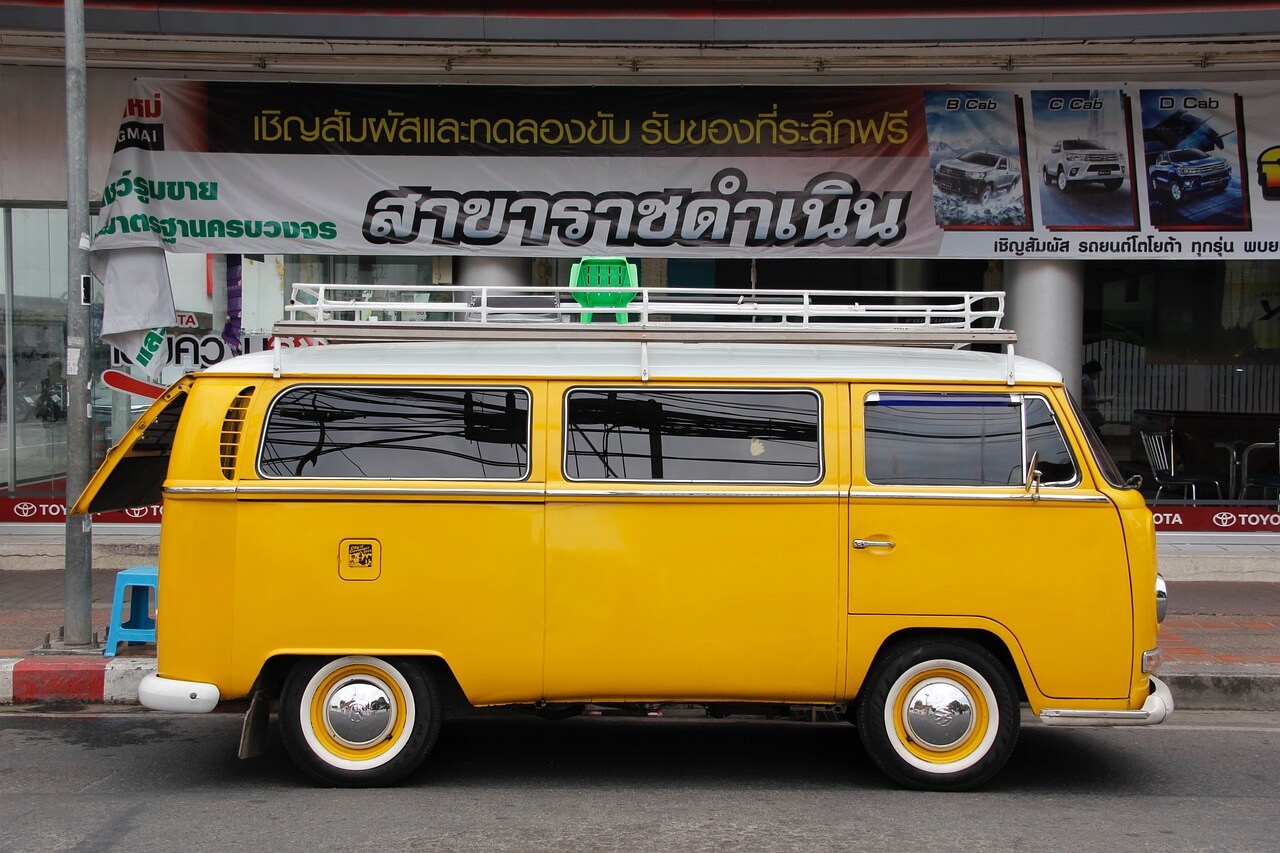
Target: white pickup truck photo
1072, 162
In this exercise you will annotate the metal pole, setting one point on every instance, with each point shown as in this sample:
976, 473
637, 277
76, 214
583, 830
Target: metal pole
79, 533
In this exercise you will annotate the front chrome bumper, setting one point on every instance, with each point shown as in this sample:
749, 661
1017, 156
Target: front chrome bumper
183, 697
1155, 710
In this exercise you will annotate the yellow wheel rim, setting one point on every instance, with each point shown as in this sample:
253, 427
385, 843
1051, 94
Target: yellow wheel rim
916, 707
330, 698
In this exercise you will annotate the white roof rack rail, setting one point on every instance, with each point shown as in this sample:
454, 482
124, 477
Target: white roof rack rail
368, 312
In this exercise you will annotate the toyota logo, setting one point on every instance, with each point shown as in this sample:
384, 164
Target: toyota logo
1224, 519
136, 511
26, 509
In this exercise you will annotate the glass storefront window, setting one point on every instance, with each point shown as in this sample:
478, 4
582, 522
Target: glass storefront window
1191, 349
35, 341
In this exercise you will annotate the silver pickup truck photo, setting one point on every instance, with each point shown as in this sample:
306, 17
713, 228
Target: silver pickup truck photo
1072, 162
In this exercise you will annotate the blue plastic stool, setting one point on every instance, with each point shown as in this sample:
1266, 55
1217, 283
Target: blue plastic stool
141, 628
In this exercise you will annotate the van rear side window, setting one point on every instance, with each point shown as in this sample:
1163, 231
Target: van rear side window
962, 440
694, 436
362, 432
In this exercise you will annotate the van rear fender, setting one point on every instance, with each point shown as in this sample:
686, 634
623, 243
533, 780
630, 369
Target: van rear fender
275, 669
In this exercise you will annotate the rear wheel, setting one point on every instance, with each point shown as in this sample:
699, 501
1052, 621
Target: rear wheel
938, 714
359, 721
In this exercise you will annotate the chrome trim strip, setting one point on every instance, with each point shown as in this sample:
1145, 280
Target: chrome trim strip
971, 496
689, 493
407, 491
384, 491
1155, 710
198, 490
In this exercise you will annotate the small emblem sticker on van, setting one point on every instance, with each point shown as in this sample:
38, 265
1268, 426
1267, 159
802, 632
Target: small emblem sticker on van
359, 559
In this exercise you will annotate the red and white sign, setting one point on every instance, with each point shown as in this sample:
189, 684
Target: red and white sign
1217, 519
46, 510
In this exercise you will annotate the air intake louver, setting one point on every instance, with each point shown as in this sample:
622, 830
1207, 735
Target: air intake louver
232, 426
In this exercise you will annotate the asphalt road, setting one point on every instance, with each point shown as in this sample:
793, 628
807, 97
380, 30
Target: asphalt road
139, 781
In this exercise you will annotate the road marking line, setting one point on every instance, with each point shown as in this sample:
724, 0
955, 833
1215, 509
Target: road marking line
1205, 728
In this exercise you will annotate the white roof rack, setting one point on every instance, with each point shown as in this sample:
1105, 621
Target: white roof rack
367, 312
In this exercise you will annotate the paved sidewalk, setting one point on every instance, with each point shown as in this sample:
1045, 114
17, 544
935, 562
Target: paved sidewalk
1221, 642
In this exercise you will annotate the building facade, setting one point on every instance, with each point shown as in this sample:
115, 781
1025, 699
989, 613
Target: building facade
1133, 236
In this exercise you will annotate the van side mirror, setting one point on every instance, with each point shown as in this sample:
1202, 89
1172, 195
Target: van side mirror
1034, 476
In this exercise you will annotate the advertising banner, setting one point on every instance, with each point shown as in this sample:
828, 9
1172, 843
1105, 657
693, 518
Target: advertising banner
1132, 170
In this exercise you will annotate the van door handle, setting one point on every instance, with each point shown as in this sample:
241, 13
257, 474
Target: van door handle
862, 544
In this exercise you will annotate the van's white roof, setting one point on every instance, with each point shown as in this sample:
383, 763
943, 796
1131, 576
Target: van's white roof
622, 360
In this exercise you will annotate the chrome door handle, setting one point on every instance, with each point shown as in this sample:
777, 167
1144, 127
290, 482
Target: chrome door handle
862, 544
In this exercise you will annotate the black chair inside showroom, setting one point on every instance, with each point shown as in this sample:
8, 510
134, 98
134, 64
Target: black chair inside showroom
1267, 481
1160, 453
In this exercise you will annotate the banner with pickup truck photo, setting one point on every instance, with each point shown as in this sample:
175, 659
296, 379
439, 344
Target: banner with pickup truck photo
902, 171
1124, 171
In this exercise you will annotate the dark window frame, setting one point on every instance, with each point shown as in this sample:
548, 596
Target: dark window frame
357, 386
820, 442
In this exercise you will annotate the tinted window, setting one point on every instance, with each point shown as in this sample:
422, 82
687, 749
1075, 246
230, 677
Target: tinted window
398, 433
961, 440
693, 436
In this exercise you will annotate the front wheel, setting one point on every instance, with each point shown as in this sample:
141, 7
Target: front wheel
359, 721
938, 714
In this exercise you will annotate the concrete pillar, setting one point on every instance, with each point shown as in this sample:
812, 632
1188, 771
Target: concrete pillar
488, 271
1044, 304
911, 274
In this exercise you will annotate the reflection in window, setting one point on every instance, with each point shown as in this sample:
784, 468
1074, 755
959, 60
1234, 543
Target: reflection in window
1045, 437
961, 440
398, 433
693, 436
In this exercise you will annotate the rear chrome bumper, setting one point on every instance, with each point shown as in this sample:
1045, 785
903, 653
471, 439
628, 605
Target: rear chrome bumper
1155, 710
183, 697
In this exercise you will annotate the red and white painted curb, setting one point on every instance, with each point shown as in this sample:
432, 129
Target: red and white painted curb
112, 681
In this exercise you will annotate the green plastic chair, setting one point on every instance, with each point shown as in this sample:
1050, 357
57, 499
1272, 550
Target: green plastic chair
615, 279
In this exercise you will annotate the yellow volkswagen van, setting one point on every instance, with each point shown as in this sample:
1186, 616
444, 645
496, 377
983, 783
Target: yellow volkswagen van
920, 538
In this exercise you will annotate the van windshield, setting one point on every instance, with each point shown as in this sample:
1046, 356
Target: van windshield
1107, 465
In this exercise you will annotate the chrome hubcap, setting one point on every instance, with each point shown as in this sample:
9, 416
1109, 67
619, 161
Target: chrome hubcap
359, 712
939, 714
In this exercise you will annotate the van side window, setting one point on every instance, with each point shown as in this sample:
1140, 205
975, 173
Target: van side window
962, 440
398, 433
693, 436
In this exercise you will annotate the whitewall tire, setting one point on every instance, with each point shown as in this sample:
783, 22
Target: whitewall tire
359, 721
939, 713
